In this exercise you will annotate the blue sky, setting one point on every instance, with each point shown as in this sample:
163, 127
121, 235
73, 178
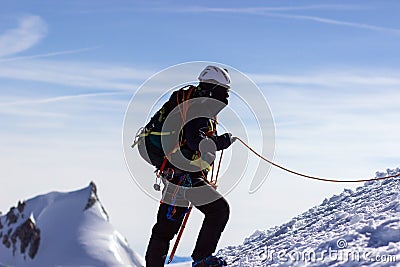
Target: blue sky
329, 71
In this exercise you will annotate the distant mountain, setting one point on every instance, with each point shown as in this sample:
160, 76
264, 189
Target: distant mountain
355, 228
63, 229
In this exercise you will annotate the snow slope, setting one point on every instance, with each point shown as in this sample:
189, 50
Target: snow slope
355, 228
62, 229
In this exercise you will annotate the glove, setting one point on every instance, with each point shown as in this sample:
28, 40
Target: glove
224, 141
230, 139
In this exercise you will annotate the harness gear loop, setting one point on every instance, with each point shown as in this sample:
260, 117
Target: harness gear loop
137, 137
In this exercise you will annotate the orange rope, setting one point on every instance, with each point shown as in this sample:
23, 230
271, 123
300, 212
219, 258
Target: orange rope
178, 238
219, 166
184, 102
212, 173
314, 177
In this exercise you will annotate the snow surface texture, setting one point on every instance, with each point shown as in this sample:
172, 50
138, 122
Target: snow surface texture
63, 229
355, 228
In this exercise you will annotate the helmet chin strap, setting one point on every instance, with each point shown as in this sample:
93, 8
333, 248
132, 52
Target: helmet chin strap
206, 92
214, 92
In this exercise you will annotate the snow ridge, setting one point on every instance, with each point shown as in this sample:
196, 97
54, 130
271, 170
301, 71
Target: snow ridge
355, 228
63, 229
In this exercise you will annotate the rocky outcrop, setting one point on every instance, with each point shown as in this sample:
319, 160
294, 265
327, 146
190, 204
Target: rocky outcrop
29, 236
6, 242
11, 217
93, 198
20, 206
18, 235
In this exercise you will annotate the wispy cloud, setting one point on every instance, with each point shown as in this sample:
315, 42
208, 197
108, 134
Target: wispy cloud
31, 29
262, 10
271, 12
57, 99
77, 74
336, 22
51, 54
329, 79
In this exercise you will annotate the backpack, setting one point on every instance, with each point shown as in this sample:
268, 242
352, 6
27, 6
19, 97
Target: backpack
149, 137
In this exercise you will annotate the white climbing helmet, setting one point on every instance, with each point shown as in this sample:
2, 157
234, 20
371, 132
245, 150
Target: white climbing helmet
215, 75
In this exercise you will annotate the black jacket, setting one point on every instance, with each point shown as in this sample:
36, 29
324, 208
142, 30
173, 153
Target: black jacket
200, 139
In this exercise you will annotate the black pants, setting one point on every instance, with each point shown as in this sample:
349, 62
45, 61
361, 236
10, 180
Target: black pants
170, 217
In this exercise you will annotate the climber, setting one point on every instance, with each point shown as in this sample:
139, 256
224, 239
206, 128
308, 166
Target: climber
186, 183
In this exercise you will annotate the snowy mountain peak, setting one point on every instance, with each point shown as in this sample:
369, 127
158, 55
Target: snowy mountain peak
357, 228
63, 229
